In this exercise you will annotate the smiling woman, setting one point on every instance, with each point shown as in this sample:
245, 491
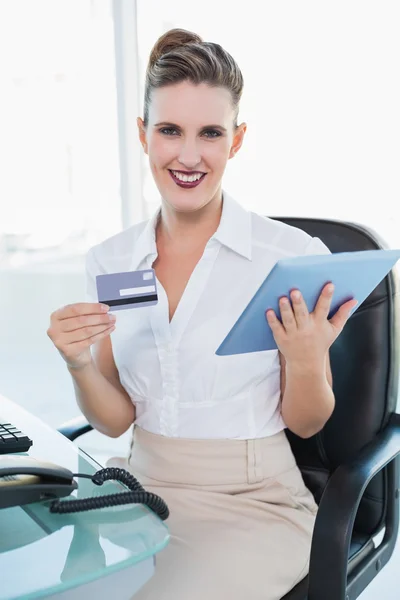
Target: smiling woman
189, 178
189, 137
189, 128
189, 131
208, 430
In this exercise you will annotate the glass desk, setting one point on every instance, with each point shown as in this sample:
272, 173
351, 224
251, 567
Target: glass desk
77, 555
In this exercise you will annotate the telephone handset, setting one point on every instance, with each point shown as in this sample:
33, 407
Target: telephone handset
24, 480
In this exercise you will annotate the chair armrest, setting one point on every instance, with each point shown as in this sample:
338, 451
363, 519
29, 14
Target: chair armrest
336, 515
75, 428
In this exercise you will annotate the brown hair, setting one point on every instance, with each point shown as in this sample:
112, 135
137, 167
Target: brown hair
180, 55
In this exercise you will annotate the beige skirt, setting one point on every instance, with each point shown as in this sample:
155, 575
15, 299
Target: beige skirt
241, 518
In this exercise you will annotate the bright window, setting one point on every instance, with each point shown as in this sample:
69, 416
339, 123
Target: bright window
59, 184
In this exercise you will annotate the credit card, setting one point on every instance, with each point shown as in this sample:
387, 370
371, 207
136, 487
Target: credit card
132, 289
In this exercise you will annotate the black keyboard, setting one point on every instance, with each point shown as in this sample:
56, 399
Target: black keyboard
13, 440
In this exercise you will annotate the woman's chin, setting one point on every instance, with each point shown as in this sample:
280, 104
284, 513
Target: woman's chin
184, 200
185, 205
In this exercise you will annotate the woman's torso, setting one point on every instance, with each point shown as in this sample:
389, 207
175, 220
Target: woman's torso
169, 367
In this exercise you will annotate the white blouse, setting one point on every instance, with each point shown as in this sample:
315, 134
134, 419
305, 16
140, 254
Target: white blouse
180, 388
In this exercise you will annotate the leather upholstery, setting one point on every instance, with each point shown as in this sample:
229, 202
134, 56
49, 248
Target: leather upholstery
364, 362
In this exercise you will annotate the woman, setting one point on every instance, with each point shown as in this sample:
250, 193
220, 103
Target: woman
209, 431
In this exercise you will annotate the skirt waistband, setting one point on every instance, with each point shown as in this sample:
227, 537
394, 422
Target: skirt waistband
209, 462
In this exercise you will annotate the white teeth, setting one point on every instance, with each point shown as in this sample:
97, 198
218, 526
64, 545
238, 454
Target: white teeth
187, 178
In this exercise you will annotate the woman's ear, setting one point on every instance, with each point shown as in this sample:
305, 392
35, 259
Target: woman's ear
237, 139
142, 133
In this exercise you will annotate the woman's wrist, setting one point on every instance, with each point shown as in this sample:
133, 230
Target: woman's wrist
314, 368
80, 369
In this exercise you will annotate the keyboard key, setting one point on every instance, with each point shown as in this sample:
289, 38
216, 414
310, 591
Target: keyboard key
12, 439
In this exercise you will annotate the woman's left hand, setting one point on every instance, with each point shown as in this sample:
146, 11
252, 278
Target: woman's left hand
304, 337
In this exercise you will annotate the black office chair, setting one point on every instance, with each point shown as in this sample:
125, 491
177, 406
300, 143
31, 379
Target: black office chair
352, 465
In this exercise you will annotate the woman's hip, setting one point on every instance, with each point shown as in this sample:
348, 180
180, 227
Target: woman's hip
224, 465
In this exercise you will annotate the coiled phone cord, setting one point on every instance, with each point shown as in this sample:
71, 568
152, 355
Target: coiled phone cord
136, 495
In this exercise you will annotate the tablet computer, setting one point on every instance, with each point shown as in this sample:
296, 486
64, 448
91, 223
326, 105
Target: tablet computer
354, 274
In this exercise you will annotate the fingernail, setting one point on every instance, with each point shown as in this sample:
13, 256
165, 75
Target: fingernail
330, 288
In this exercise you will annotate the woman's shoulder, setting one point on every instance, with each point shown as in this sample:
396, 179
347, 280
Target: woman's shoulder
289, 240
115, 252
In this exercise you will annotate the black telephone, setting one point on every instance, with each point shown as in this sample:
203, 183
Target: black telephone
24, 480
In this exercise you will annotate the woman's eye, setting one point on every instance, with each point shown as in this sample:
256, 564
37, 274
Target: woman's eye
168, 131
212, 133
208, 133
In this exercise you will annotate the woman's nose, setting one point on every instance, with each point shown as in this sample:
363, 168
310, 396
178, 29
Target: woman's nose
189, 155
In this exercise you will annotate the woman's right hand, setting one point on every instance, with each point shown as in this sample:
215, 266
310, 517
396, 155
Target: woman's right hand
75, 327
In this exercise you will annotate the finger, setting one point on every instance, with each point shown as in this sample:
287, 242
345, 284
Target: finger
80, 346
300, 309
323, 306
74, 323
342, 314
80, 308
84, 333
276, 326
287, 315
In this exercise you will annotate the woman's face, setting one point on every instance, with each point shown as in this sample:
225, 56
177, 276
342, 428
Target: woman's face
189, 138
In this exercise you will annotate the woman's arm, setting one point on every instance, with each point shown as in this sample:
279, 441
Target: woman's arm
100, 395
307, 398
303, 340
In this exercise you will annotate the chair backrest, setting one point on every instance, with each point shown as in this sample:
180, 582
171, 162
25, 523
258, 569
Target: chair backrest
365, 368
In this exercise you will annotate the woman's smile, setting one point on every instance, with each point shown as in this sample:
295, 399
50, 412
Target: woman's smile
187, 179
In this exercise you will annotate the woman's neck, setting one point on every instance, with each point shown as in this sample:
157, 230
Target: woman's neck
186, 231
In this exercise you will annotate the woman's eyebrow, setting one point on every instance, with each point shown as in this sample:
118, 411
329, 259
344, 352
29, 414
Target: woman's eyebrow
167, 124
